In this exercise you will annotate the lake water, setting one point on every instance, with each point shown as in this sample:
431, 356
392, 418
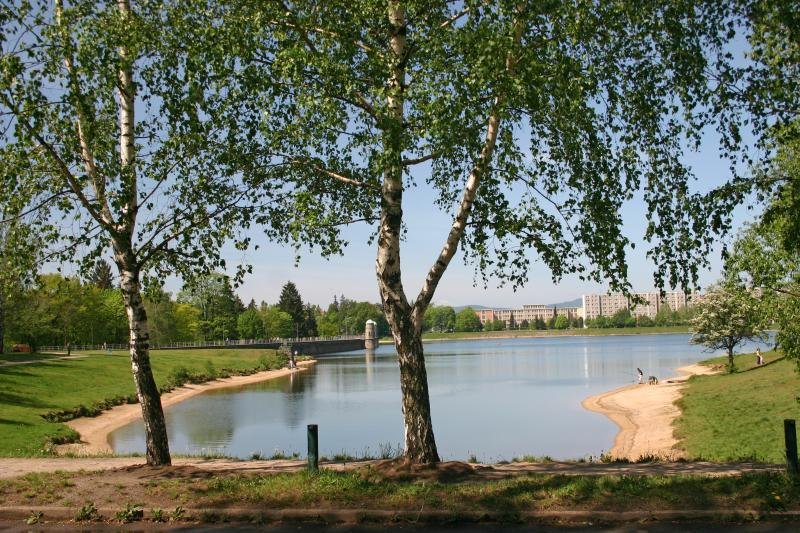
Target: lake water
495, 399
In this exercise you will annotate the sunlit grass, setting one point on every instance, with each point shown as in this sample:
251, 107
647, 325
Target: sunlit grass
29, 391
739, 416
367, 489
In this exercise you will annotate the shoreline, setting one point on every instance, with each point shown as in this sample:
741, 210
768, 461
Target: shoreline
543, 336
644, 415
94, 431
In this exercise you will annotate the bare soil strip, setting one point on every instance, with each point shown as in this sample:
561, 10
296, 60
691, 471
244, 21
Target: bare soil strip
644, 414
135, 467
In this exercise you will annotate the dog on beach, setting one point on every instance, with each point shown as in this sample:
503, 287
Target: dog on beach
652, 380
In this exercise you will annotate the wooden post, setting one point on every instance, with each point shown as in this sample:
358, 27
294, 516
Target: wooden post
313, 448
790, 436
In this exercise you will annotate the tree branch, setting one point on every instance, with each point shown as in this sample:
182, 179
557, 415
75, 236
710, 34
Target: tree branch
72, 181
98, 182
335, 175
363, 101
417, 160
454, 18
36, 207
470, 191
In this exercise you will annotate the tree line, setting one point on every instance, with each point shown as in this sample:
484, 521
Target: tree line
625, 319
58, 310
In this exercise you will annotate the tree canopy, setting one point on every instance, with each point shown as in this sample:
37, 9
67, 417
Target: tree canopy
129, 121
727, 316
467, 320
532, 123
766, 255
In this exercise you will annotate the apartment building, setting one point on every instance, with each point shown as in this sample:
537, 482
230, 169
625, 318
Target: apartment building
595, 305
485, 315
528, 313
571, 313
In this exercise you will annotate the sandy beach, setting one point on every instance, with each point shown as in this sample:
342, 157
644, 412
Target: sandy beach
644, 414
95, 431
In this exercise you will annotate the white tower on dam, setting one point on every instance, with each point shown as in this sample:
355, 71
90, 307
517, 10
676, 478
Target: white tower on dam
371, 335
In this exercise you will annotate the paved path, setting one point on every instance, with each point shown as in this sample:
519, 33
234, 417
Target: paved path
12, 467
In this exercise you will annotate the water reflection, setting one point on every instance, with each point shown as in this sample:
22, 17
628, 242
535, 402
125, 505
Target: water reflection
369, 362
496, 399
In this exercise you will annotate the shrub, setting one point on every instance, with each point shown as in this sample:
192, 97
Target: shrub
211, 372
273, 361
87, 512
131, 512
178, 376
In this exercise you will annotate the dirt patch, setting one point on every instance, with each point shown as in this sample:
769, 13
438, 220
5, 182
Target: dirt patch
447, 471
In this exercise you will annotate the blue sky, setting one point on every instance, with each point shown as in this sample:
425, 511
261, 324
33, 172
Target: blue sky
353, 274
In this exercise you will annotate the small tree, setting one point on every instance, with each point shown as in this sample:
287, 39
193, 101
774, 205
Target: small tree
644, 321
727, 316
467, 320
623, 319
561, 322
277, 323
250, 325
440, 318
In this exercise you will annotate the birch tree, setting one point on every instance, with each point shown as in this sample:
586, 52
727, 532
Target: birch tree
532, 122
131, 109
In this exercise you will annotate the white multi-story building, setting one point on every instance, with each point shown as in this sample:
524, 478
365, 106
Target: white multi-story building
529, 313
595, 305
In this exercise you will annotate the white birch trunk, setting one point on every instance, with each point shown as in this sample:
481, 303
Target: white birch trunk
156, 441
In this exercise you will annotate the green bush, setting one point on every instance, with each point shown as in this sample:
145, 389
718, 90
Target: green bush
178, 377
273, 361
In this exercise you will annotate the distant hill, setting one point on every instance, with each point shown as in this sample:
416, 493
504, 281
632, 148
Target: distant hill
474, 307
577, 302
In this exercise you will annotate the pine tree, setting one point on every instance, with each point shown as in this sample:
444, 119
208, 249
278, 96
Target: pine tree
291, 302
101, 275
310, 322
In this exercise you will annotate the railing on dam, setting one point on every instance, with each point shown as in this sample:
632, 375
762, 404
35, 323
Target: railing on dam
295, 342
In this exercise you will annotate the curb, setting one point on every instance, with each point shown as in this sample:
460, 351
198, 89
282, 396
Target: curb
355, 516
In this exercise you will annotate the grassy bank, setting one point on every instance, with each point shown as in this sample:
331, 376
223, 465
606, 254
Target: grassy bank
60, 386
463, 335
739, 416
167, 496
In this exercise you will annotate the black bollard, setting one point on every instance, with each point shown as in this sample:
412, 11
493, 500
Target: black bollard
313, 448
790, 436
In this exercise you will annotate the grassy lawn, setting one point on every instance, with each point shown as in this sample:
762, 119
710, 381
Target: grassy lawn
739, 416
552, 332
367, 489
29, 391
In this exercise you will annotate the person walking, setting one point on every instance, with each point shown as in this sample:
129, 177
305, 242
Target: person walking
640, 374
